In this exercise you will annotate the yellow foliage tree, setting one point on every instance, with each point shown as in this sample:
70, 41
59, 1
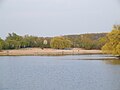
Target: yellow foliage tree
60, 43
113, 44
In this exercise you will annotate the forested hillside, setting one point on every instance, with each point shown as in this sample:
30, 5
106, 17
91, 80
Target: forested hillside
87, 41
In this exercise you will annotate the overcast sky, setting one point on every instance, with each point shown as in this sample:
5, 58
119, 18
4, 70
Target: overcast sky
58, 17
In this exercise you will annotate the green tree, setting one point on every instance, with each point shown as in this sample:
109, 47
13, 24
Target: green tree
13, 36
13, 41
60, 43
1, 44
113, 44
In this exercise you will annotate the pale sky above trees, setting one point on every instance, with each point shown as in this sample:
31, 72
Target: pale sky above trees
58, 17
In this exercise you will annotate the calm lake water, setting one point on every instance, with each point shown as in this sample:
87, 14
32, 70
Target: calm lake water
59, 73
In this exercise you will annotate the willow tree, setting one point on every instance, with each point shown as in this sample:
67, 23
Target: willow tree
60, 43
13, 41
113, 44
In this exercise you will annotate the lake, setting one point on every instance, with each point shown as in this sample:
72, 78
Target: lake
59, 73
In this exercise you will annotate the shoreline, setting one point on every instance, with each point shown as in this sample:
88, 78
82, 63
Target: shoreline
47, 52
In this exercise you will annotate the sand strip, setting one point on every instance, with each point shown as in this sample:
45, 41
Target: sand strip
46, 52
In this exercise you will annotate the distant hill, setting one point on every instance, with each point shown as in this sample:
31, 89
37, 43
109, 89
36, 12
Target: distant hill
87, 41
92, 36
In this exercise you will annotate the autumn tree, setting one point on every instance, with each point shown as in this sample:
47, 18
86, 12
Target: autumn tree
60, 43
113, 44
102, 41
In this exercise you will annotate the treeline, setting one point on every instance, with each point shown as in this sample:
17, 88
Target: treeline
14, 41
87, 41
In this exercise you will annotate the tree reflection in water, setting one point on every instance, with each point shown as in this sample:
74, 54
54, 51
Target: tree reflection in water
113, 62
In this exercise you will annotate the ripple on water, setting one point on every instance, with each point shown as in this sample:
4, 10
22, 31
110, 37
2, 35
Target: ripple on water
58, 73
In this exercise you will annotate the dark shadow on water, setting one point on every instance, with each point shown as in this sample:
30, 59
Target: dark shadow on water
112, 61
107, 59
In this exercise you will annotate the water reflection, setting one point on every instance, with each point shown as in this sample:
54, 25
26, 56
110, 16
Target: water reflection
112, 62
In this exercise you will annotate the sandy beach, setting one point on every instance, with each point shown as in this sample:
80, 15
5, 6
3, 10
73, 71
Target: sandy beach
47, 52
